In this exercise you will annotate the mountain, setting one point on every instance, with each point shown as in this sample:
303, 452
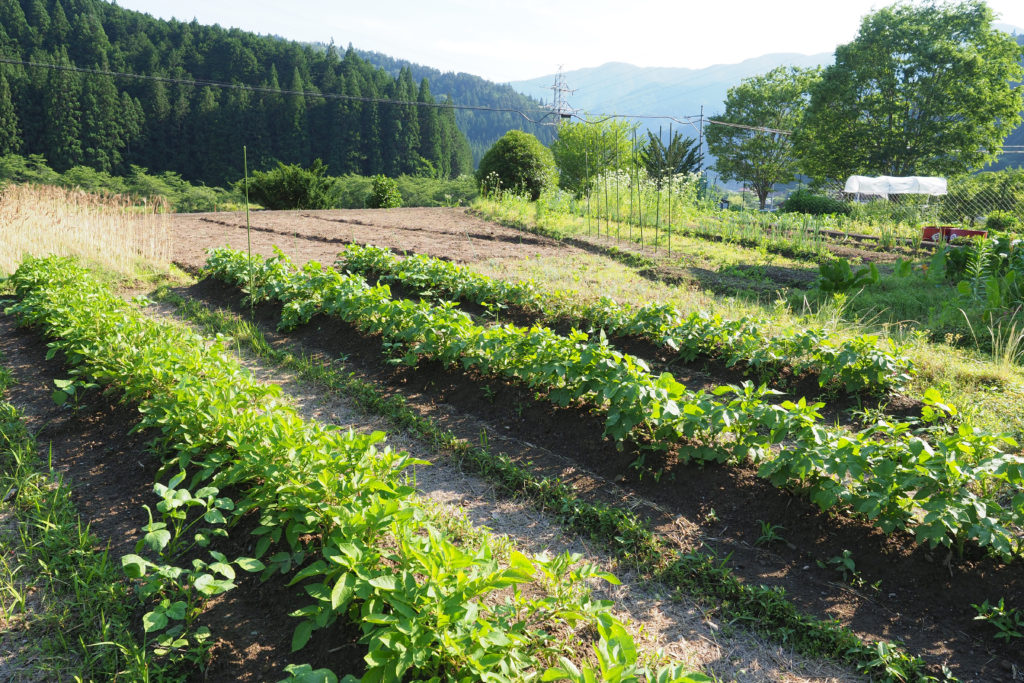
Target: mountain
85, 82
618, 88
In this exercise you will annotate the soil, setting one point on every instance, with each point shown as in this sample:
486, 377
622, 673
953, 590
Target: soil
451, 234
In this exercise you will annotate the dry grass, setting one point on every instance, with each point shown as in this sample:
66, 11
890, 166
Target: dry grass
109, 231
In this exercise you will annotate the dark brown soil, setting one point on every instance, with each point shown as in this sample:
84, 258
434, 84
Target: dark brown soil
112, 473
902, 591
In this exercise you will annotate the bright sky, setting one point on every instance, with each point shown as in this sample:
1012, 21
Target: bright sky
508, 41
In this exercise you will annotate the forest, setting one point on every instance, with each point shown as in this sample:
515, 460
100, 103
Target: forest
177, 117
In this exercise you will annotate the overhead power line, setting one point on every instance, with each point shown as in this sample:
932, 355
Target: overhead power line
559, 112
272, 91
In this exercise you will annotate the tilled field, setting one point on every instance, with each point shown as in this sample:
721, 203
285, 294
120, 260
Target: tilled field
902, 592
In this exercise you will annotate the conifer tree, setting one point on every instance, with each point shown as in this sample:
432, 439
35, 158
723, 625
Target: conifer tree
10, 132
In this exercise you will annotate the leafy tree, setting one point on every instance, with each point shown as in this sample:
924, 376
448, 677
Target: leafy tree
518, 161
682, 155
586, 149
758, 149
922, 89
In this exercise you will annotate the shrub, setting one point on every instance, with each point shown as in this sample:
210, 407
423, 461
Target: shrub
805, 201
517, 161
384, 193
1002, 220
292, 187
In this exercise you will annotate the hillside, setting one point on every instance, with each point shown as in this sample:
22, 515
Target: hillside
482, 128
207, 91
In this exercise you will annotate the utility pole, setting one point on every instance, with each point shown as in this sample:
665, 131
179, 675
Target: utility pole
700, 143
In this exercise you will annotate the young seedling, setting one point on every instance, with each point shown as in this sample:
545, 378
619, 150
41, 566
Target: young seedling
769, 533
1008, 620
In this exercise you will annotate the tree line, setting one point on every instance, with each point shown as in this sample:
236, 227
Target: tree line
166, 123
482, 128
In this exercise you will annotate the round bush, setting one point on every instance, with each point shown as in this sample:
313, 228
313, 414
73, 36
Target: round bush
517, 161
292, 187
805, 201
1002, 220
384, 193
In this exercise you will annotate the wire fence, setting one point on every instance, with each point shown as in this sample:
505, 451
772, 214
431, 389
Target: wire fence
995, 199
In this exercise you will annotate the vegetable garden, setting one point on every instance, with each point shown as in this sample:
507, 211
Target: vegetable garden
247, 492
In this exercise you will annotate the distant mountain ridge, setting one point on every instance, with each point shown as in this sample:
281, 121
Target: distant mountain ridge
619, 88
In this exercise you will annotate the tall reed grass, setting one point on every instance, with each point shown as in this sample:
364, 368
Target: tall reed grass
113, 232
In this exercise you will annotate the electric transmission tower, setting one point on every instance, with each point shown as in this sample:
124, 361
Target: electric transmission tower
559, 104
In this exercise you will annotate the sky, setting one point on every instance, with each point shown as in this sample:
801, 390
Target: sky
508, 41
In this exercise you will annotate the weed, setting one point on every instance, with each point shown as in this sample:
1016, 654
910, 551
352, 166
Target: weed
769, 533
1009, 621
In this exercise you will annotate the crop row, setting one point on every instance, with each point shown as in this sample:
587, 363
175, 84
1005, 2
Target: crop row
864, 363
332, 513
946, 480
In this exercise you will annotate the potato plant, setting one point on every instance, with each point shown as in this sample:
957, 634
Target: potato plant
946, 481
334, 514
865, 363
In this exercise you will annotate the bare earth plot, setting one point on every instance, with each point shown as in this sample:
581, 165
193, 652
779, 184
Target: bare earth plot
319, 235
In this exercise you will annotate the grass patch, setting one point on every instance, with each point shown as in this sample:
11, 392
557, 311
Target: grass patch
66, 607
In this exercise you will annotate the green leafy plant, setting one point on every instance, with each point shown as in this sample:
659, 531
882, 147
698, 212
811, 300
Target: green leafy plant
289, 186
384, 193
804, 201
769, 533
1009, 621
836, 276
1002, 221
844, 563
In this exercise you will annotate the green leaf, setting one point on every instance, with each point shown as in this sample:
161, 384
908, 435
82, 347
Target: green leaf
301, 636
341, 594
158, 539
250, 564
177, 610
154, 621
134, 566
385, 583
